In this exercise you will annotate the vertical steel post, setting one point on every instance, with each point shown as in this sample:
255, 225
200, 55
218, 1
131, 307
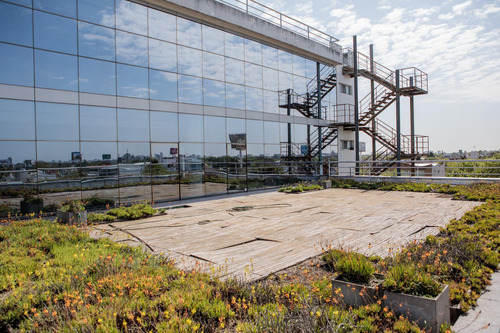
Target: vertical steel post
398, 125
356, 102
320, 134
412, 129
288, 112
372, 90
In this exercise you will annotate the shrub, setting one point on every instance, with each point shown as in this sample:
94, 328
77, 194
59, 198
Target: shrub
354, 267
133, 212
96, 217
406, 279
5, 210
72, 206
98, 202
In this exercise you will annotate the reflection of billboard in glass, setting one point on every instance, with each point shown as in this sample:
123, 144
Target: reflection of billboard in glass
106, 157
76, 156
238, 141
173, 151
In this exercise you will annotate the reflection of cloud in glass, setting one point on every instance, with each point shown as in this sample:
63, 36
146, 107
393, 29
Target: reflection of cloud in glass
253, 99
162, 25
253, 75
188, 33
270, 79
131, 17
213, 40
189, 61
253, 52
299, 65
190, 89
270, 56
213, 66
96, 42
131, 49
285, 61
162, 55
213, 93
235, 46
235, 71
235, 96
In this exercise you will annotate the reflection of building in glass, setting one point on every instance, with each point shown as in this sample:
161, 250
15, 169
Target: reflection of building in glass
131, 102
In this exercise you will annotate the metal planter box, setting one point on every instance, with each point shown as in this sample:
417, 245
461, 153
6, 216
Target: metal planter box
428, 313
72, 218
356, 295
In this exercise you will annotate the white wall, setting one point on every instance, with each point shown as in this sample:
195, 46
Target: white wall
346, 157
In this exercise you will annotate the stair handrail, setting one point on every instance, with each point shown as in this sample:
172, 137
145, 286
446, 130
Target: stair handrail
325, 72
364, 62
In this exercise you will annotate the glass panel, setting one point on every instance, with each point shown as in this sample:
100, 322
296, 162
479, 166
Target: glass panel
271, 102
213, 93
285, 61
272, 151
131, 17
61, 7
235, 96
215, 130
300, 84
189, 61
235, 46
310, 68
100, 179
235, 71
133, 125
190, 90
215, 176
97, 11
188, 33
96, 42
55, 33
236, 154
97, 77
57, 121
254, 99
165, 171
299, 65
301, 134
162, 55
162, 25
255, 131
285, 81
256, 166
284, 132
236, 126
269, 56
99, 153
134, 172
132, 81
56, 71
16, 24
270, 79
164, 127
190, 128
16, 65
213, 40
53, 154
97, 123
17, 155
131, 49
271, 132
253, 75
213, 66
163, 86
191, 170
253, 52
18, 120
21, 2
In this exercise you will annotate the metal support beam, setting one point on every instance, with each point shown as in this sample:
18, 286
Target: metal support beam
372, 91
412, 129
288, 112
356, 102
398, 124
320, 134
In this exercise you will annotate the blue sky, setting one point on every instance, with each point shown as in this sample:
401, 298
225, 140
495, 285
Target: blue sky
456, 42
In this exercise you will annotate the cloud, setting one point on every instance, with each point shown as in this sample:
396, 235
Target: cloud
486, 10
457, 10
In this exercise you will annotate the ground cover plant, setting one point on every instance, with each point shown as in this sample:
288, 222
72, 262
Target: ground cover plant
299, 188
134, 212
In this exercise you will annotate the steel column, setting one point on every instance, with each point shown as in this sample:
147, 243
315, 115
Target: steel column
398, 125
412, 129
372, 90
320, 134
356, 102
288, 112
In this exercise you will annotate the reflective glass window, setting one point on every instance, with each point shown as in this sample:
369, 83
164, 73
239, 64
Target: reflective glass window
21, 153
56, 71
218, 151
56, 152
299, 65
190, 128
61, 7
271, 132
285, 61
271, 103
131, 153
131, 17
162, 25
162, 86
16, 24
95, 153
255, 131
300, 133
97, 11
190, 90
97, 123
272, 151
55, 33
132, 81
164, 127
310, 68
214, 93
16, 65
57, 121
254, 152
253, 75
96, 42
300, 84
18, 120
188, 33
269, 56
97, 77
213, 66
189, 61
254, 99
253, 52
235, 96
162, 55
215, 129
213, 40
284, 132
131, 49
270, 79
235, 71
27, 3
133, 125
285, 81
235, 46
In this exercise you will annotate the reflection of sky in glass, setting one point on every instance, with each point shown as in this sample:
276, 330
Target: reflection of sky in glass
285, 81
92, 151
189, 61
285, 61
131, 49
253, 75
215, 149
271, 132
136, 149
22, 2
191, 149
163, 149
162, 55
299, 65
16, 65
162, 86
188, 33
61, 7
213, 66
16, 24
190, 90
97, 11
235, 96
272, 150
235, 126
271, 102
300, 133
235, 71
255, 131
300, 84
55, 33
56, 151
132, 81
255, 149
96, 42
97, 123
131, 17
57, 121
164, 127
254, 99
253, 52
213, 40
18, 120
215, 129
18, 151
133, 125
269, 56
235, 46
57, 71
213, 93
310, 68
97, 76
162, 25
270, 79
190, 128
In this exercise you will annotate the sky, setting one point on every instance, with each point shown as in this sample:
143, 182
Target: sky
456, 42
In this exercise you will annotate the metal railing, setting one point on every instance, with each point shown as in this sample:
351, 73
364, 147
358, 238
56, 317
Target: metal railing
341, 113
412, 77
283, 21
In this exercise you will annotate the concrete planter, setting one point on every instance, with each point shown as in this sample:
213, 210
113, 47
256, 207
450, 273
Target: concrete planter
29, 207
356, 295
428, 313
72, 218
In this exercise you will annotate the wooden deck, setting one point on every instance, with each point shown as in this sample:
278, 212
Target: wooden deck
280, 230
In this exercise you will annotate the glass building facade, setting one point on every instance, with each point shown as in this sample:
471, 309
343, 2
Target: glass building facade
118, 100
